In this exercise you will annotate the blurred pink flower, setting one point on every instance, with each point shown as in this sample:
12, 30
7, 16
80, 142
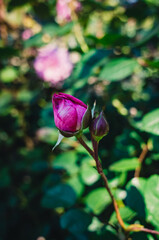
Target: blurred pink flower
53, 64
26, 34
64, 11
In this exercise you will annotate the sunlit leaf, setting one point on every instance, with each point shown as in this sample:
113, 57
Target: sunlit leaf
125, 165
97, 200
118, 69
67, 161
150, 122
89, 175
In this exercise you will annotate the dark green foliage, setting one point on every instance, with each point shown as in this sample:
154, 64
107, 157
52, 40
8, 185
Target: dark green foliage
59, 195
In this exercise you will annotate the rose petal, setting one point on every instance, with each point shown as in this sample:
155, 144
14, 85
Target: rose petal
73, 99
66, 116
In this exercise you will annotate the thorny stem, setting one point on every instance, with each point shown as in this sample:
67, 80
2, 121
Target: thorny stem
141, 159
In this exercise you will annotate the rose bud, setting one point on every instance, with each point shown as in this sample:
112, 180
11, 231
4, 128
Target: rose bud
99, 127
70, 114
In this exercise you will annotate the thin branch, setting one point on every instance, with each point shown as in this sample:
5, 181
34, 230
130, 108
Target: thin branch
98, 164
82, 142
141, 159
149, 231
100, 171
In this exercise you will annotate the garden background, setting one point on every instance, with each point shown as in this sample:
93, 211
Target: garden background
110, 54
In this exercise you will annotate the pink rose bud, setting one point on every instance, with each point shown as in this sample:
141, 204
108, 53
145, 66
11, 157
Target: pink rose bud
70, 114
53, 64
99, 127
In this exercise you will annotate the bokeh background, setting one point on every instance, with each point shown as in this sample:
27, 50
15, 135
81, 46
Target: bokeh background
103, 50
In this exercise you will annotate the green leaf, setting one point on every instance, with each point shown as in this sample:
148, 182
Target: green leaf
143, 197
26, 96
146, 35
50, 29
155, 2
67, 161
95, 225
34, 41
124, 165
89, 62
118, 69
152, 200
89, 175
135, 196
150, 237
152, 64
8, 74
75, 220
150, 122
97, 200
75, 182
59, 196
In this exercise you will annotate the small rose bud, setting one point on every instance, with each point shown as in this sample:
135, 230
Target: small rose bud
99, 127
70, 114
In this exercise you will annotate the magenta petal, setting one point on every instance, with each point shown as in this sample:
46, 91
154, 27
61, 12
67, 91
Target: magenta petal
66, 117
73, 99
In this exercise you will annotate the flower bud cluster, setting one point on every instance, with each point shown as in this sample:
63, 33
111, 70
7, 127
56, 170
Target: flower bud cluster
71, 116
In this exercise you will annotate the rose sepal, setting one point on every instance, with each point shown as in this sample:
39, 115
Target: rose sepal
60, 137
86, 118
69, 134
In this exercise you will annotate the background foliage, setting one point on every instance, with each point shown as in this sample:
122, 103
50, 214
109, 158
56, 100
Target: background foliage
59, 195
